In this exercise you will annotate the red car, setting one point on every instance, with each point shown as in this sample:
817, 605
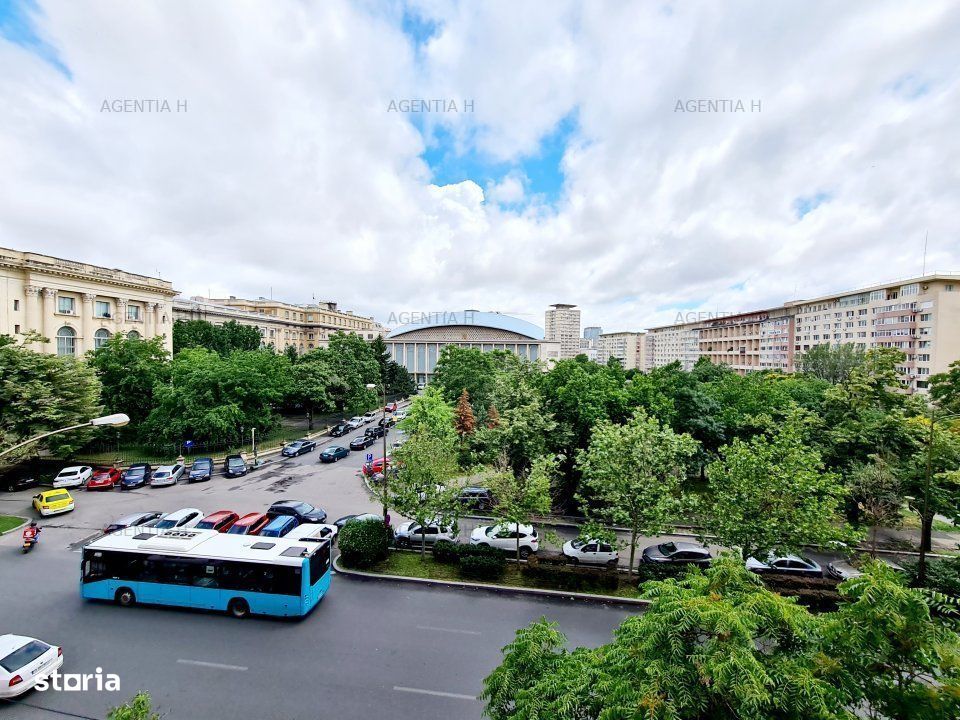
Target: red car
391, 407
375, 467
249, 524
104, 479
221, 521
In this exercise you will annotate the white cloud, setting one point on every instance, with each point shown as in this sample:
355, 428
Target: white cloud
287, 170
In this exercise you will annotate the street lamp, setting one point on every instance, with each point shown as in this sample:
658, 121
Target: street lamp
922, 560
371, 386
115, 420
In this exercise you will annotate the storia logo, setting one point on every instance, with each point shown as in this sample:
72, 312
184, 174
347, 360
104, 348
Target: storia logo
80, 682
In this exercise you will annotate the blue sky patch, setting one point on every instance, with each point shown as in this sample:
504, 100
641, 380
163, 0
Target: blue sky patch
418, 28
909, 87
803, 205
17, 26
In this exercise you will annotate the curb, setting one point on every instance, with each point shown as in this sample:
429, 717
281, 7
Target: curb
14, 529
606, 599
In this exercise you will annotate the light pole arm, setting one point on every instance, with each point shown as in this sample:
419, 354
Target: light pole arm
44, 435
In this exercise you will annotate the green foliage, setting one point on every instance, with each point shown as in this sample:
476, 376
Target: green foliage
210, 397
945, 388
771, 493
312, 385
524, 495
430, 413
482, 567
469, 369
877, 495
446, 551
632, 474
572, 578
137, 709
364, 542
222, 339
829, 363
943, 575
40, 393
128, 371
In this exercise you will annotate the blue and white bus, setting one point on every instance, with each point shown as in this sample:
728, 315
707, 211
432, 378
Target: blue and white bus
205, 569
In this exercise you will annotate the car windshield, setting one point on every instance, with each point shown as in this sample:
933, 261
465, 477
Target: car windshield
23, 655
202, 465
295, 444
303, 508
238, 530
67, 473
160, 474
163, 524
134, 471
577, 544
235, 462
668, 548
57, 496
205, 525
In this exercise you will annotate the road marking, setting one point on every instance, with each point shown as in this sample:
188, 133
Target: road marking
218, 666
436, 693
449, 630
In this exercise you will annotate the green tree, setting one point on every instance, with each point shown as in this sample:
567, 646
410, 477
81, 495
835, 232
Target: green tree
771, 493
522, 496
429, 412
833, 364
222, 339
469, 369
311, 383
524, 426
353, 362
139, 708
128, 371
210, 397
632, 475
290, 352
876, 490
714, 646
40, 393
945, 389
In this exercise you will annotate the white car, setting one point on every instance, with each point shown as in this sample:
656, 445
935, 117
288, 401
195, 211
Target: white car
355, 422
505, 537
180, 519
25, 661
845, 570
590, 552
72, 477
166, 475
788, 564
313, 532
369, 417
412, 534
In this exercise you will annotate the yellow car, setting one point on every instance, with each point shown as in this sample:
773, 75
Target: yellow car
52, 502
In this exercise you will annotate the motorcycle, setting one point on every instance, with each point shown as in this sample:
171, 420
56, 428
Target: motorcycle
29, 540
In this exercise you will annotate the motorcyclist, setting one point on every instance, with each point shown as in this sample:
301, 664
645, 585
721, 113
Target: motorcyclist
32, 532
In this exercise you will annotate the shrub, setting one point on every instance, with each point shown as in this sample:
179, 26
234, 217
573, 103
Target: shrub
445, 551
363, 543
572, 577
659, 571
482, 567
465, 550
942, 575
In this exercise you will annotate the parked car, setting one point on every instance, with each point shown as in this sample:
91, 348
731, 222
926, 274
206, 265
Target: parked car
847, 569
375, 431
590, 552
279, 526
374, 468
303, 512
234, 466
135, 520
504, 537
313, 532
221, 521
180, 519
390, 407
340, 522
369, 417
166, 475
137, 475
387, 422
298, 447
684, 553
249, 524
333, 453
339, 430
53, 502
25, 661
73, 477
104, 479
200, 470
355, 423
362, 442
400, 415
476, 498
412, 534
787, 564
12, 482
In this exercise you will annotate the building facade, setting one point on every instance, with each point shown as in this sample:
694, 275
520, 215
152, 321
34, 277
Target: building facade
562, 325
417, 345
919, 316
592, 333
281, 325
78, 306
629, 348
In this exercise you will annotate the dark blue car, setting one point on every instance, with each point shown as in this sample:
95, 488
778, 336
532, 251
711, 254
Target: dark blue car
279, 526
135, 476
333, 453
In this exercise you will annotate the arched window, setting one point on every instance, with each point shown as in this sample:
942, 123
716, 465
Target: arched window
133, 335
100, 338
66, 341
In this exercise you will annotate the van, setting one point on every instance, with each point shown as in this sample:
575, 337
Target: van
279, 526
249, 524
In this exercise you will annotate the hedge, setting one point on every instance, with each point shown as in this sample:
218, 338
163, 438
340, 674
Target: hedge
482, 567
446, 551
573, 577
364, 542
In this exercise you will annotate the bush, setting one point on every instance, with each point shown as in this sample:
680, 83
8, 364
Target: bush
572, 577
942, 575
659, 571
363, 543
465, 550
446, 551
482, 567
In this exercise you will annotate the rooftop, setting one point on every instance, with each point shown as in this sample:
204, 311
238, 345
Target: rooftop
492, 320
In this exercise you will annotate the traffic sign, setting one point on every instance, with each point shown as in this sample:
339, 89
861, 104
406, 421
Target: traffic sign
369, 457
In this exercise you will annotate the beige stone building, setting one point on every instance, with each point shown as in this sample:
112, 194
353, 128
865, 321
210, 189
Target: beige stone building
562, 325
78, 306
627, 347
281, 325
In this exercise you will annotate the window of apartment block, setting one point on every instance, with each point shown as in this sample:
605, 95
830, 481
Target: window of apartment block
16, 305
100, 338
16, 329
926, 317
878, 295
66, 341
923, 371
101, 309
65, 305
911, 289
133, 312
948, 288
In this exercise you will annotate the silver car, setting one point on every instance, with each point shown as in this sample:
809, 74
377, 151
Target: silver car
166, 475
411, 534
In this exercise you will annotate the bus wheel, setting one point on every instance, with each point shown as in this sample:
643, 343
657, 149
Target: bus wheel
125, 597
238, 608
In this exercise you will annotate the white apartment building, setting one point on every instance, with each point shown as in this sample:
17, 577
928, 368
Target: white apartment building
672, 343
627, 347
562, 325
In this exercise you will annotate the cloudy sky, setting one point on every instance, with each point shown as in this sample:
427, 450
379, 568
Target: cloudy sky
429, 155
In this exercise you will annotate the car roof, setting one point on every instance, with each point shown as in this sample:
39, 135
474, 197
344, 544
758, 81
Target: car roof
139, 464
102, 470
510, 526
281, 520
73, 468
135, 516
166, 468
177, 514
250, 518
219, 514
202, 459
289, 503
682, 545
9, 643
54, 491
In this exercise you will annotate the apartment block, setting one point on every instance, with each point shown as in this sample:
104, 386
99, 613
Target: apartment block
629, 348
919, 316
562, 325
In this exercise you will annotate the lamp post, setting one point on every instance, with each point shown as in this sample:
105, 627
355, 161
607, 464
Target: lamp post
928, 476
371, 386
116, 420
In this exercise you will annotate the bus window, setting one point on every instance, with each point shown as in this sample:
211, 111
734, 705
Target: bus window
319, 562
